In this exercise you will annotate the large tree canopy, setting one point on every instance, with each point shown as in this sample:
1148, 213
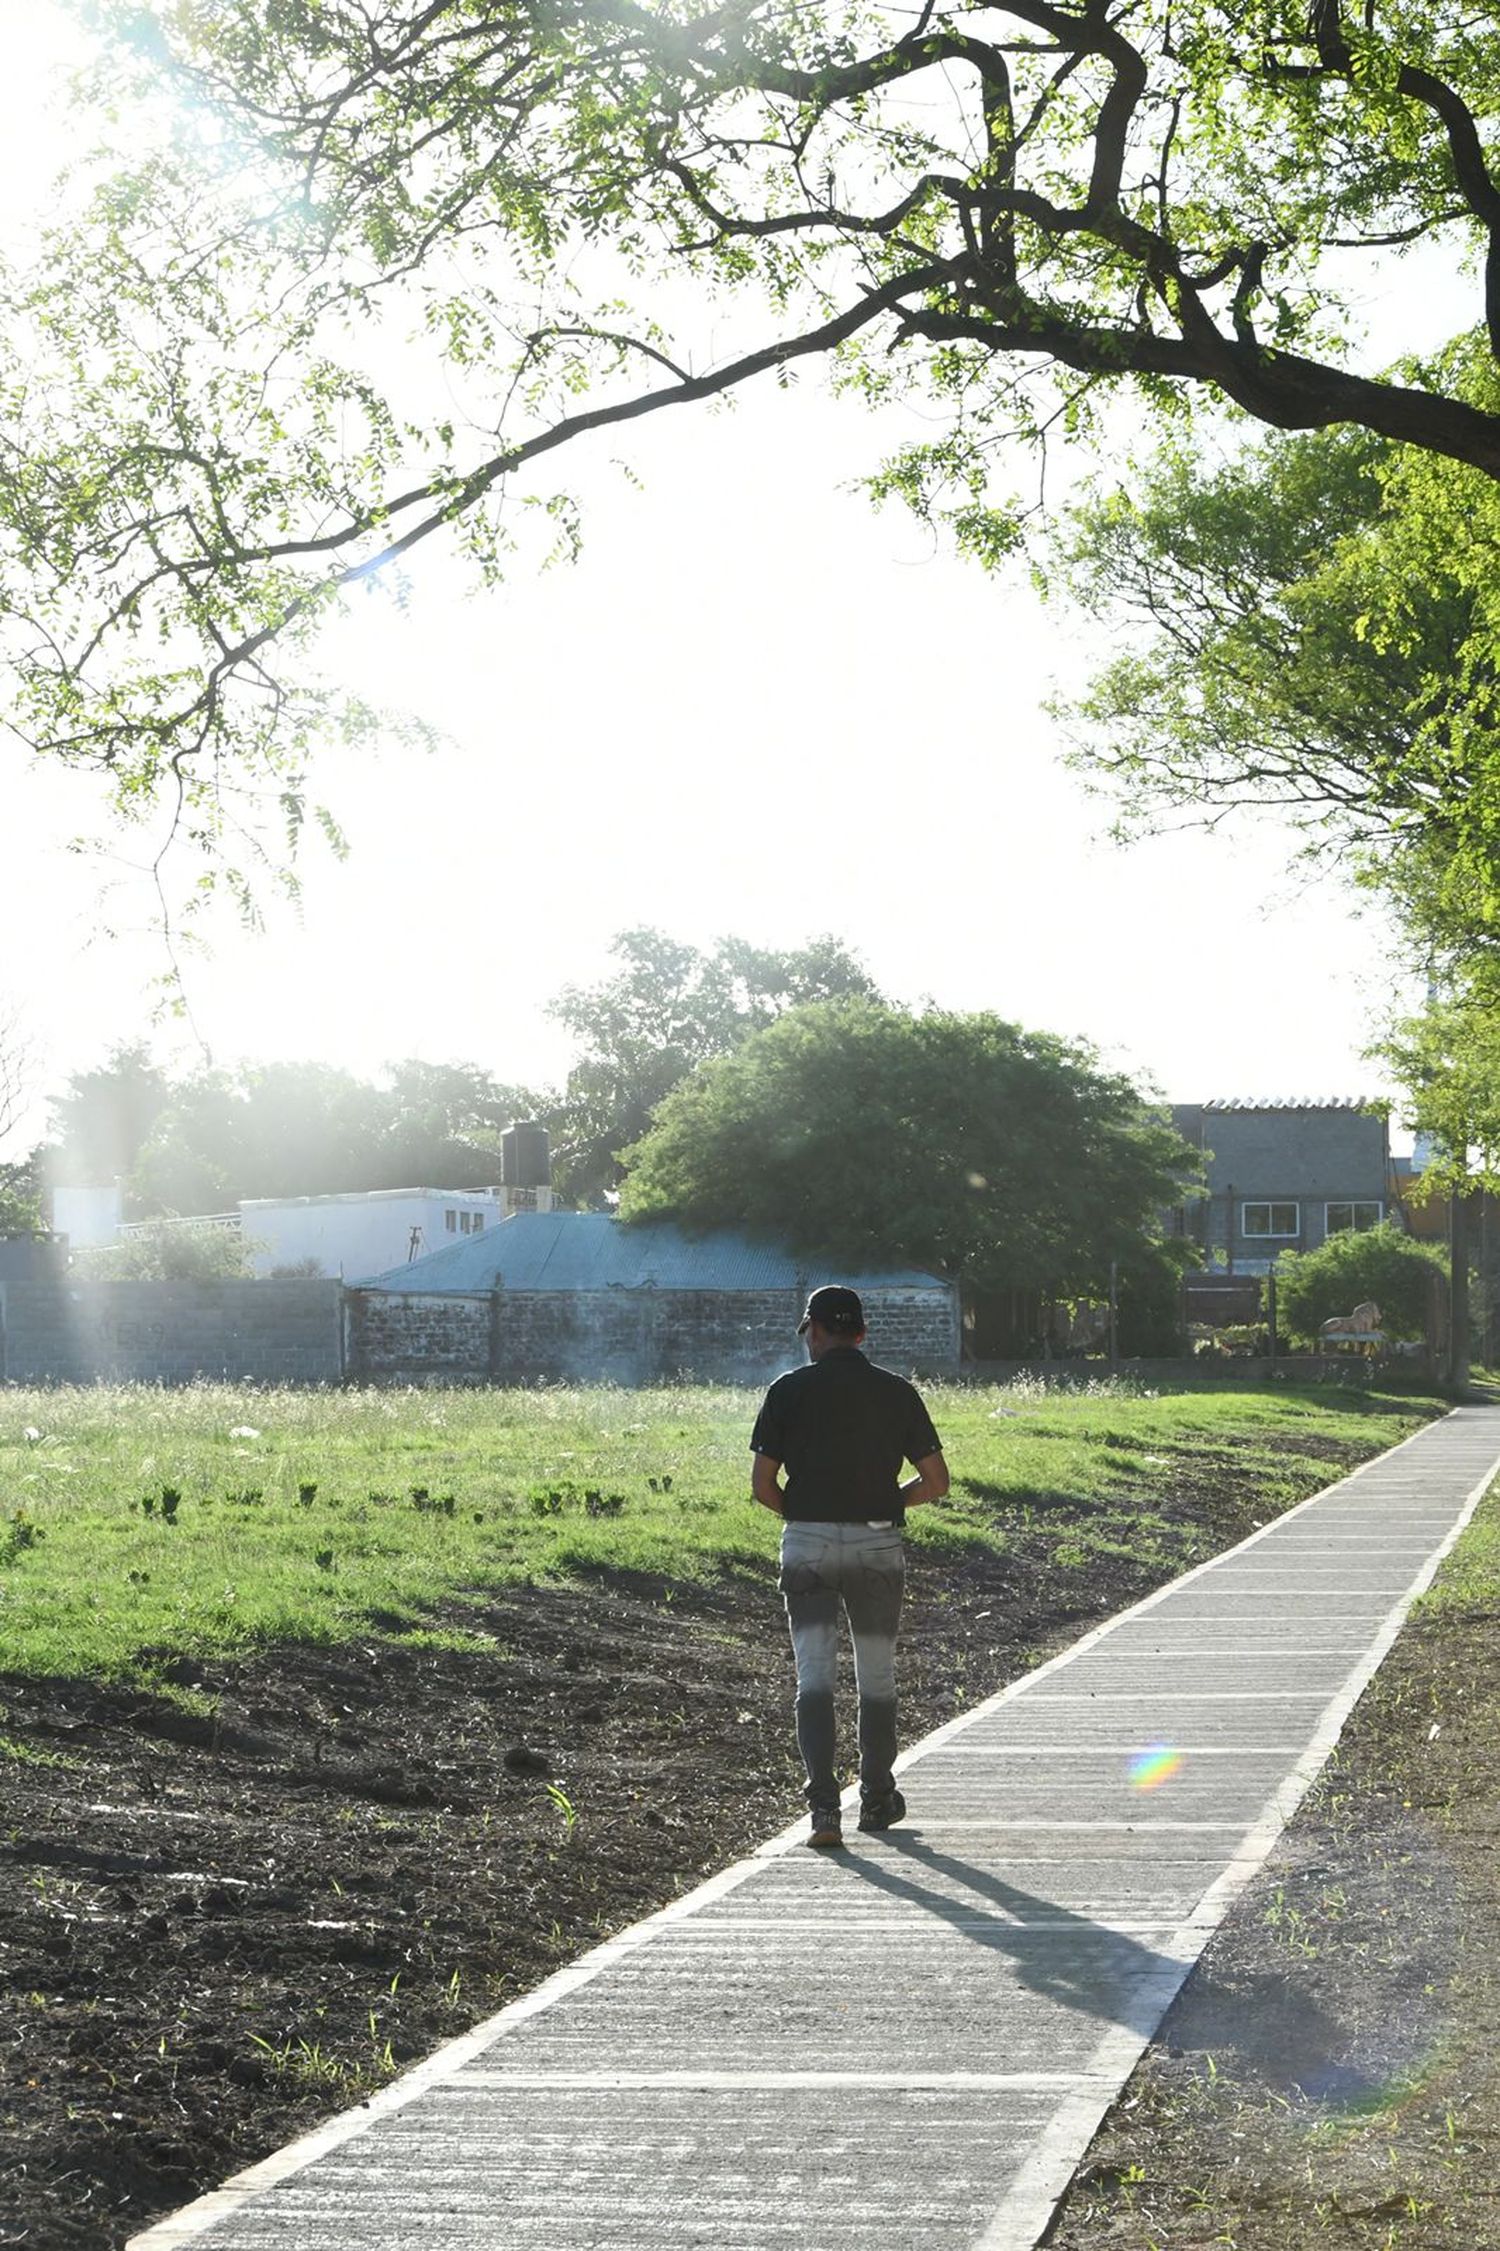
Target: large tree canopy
1447, 1058
208, 433
665, 1009
1313, 628
1003, 1157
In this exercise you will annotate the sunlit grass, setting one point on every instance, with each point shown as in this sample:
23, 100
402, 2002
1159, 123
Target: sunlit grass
139, 1524
1470, 1576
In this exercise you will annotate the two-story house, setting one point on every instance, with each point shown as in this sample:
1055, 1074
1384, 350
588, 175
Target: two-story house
1281, 1176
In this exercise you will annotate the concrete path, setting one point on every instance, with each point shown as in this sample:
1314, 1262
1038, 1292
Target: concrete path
908, 2043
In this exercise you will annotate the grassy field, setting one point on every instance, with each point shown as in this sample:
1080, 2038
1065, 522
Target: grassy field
138, 1524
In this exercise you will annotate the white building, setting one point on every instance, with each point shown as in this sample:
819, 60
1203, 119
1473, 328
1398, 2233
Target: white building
361, 1231
371, 1230
88, 1217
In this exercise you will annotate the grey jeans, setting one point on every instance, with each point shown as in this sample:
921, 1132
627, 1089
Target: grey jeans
860, 1568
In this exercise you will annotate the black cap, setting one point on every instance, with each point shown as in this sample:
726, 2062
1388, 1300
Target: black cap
835, 1309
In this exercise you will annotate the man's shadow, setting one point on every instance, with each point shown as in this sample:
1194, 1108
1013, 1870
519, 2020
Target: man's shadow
1084, 1966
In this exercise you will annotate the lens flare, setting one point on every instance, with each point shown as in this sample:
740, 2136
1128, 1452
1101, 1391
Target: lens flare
1157, 1764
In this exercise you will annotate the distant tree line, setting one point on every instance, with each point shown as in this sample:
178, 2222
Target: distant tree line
777, 1092
198, 1141
201, 1141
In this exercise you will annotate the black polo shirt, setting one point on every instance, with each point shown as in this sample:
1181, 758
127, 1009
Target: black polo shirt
843, 1428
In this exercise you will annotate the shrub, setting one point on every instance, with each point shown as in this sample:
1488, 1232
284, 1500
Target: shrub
181, 1250
1352, 1268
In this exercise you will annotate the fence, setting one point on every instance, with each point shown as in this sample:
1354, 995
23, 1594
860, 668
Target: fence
280, 1331
291, 1330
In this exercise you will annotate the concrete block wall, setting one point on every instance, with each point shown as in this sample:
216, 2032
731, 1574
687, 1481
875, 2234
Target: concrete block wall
744, 1336
623, 1336
916, 1332
70, 1331
644, 1336
405, 1336
1307, 1153
313, 1331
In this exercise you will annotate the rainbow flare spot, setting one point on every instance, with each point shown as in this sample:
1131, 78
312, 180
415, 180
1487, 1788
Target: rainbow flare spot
1157, 1764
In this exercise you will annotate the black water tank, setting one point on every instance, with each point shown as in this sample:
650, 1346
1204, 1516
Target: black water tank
525, 1157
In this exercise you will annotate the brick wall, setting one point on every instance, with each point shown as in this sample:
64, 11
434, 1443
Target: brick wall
287, 1331
916, 1332
643, 1336
624, 1336
404, 1336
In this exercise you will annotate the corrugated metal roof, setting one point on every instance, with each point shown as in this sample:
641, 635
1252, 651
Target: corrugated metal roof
1284, 1102
369, 1196
571, 1250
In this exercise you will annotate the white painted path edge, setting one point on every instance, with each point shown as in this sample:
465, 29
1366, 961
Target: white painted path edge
1086, 2095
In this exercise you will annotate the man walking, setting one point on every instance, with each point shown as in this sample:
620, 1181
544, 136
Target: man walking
842, 1428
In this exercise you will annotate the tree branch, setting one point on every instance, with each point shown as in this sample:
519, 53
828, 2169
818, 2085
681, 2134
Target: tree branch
1475, 185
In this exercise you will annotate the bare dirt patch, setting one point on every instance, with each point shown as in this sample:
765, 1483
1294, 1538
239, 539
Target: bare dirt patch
217, 1926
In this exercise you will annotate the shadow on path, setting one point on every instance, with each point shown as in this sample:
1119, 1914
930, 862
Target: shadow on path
1086, 1967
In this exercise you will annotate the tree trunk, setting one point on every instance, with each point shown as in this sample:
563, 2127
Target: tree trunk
1458, 1288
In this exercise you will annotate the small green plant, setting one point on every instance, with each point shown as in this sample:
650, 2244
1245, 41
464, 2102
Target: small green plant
564, 1807
303, 2061
249, 1496
307, 2063
28, 1754
21, 1535
1289, 1923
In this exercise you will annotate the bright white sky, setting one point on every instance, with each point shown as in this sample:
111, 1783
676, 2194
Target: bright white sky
754, 707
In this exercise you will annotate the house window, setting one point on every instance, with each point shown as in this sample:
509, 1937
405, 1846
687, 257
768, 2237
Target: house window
1342, 1217
450, 1221
1268, 1219
478, 1221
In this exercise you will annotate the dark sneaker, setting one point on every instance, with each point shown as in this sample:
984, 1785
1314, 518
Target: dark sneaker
882, 1812
827, 1826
